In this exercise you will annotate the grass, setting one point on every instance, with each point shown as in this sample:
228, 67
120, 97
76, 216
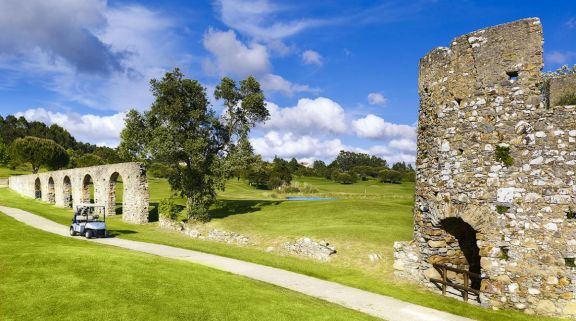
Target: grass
367, 218
48, 277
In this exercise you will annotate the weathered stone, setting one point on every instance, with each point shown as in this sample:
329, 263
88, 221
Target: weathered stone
319, 250
545, 307
69, 187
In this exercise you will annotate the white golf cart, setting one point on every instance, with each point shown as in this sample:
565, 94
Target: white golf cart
89, 220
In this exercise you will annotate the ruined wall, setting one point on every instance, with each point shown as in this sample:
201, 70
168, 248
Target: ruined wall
495, 171
69, 187
560, 87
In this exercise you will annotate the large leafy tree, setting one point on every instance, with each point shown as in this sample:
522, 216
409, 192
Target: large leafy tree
39, 152
245, 107
181, 131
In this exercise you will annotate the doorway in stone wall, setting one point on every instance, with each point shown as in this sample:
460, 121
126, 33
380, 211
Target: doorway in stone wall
67, 191
37, 189
467, 241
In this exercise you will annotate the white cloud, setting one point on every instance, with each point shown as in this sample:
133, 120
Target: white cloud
288, 145
392, 155
320, 115
60, 29
559, 57
232, 56
132, 30
376, 99
271, 82
403, 144
311, 57
571, 23
100, 130
259, 19
373, 126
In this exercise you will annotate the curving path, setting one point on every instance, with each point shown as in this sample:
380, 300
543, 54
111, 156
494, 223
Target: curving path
370, 303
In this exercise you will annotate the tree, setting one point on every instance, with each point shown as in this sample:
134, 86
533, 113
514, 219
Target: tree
346, 161
181, 131
38, 152
245, 107
87, 160
4, 154
280, 173
345, 178
320, 168
390, 176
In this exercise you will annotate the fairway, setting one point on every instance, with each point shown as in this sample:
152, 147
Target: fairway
48, 277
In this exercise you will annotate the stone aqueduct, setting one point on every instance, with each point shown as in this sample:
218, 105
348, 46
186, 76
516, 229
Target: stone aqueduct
66, 188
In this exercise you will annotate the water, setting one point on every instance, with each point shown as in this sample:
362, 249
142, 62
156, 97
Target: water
303, 198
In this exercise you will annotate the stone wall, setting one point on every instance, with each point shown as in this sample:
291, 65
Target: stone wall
66, 188
561, 86
495, 169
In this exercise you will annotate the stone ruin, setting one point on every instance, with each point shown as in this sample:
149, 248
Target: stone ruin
495, 190
67, 188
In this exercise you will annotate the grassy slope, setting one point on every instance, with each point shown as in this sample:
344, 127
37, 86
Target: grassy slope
47, 277
372, 217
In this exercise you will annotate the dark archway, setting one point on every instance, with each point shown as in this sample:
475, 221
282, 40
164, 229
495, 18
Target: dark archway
116, 187
51, 192
38, 189
87, 189
466, 236
67, 192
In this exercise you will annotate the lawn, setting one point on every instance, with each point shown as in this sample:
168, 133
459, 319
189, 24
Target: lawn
48, 277
367, 218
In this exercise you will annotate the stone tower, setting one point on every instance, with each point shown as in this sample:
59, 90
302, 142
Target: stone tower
495, 190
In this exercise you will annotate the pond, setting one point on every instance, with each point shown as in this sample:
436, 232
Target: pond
304, 198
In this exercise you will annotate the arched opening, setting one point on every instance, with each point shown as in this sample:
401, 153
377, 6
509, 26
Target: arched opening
67, 191
37, 189
116, 193
87, 189
51, 193
466, 236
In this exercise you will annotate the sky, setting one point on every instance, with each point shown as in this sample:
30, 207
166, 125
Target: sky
337, 74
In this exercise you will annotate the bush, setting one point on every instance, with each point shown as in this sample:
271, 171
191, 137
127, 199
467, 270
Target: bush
158, 170
274, 182
168, 209
568, 99
345, 178
390, 176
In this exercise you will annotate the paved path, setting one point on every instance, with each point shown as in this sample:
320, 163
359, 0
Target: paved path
370, 303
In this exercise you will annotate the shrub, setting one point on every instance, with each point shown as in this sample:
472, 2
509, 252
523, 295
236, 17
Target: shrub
168, 209
503, 155
345, 178
390, 176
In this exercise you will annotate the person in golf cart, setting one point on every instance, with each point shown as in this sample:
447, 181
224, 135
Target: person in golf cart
89, 220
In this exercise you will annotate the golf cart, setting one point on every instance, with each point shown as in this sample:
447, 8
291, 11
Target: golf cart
89, 220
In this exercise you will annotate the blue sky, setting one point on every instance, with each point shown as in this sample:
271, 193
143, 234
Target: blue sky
337, 74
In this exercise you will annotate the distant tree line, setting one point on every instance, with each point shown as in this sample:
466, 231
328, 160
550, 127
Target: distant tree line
33, 142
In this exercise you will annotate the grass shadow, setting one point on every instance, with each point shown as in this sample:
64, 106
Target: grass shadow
225, 208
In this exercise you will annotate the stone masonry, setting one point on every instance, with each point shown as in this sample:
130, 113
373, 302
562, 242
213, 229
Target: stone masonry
495, 191
67, 188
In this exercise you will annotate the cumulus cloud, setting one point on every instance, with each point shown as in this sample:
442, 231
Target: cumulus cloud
232, 56
288, 145
68, 32
376, 99
376, 127
393, 155
259, 19
311, 57
320, 115
100, 130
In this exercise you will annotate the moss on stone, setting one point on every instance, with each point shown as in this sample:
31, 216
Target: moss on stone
503, 155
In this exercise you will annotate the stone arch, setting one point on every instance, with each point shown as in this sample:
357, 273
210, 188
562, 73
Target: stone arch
51, 197
115, 178
37, 189
67, 191
87, 192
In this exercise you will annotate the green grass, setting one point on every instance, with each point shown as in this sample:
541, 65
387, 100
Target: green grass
367, 218
48, 277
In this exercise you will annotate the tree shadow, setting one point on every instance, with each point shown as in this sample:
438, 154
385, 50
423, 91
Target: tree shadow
225, 208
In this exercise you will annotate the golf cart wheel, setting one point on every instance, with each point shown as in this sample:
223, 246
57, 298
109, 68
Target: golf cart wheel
72, 232
106, 234
89, 234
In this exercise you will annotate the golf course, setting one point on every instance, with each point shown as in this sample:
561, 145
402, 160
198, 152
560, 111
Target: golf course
361, 223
